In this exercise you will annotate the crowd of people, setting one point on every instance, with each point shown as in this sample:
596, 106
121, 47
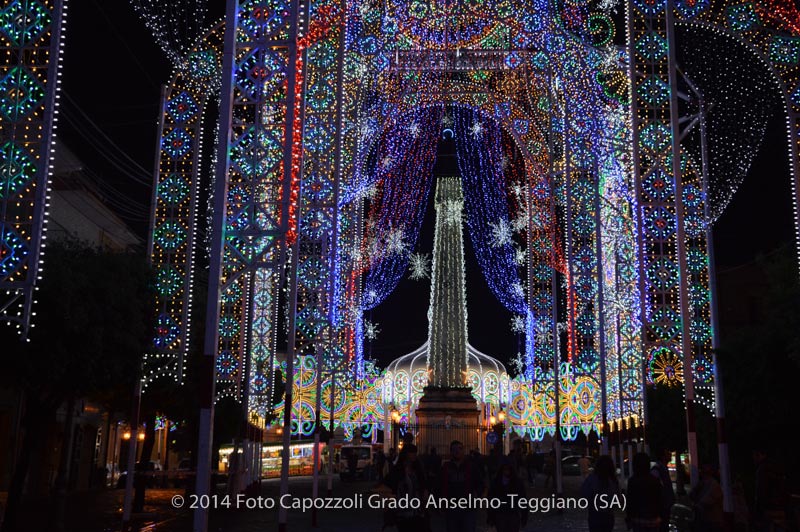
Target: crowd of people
650, 498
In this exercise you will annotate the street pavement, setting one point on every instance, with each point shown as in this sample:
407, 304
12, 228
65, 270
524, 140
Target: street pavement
369, 520
102, 512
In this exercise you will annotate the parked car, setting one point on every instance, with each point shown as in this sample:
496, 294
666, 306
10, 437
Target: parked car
150, 469
570, 465
623, 471
363, 455
182, 474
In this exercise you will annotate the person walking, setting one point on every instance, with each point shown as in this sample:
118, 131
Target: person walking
506, 516
644, 497
380, 464
407, 481
707, 499
550, 468
601, 485
517, 457
433, 467
352, 463
584, 463
741, 520
530, 466
661, 471
461, 478
771, 496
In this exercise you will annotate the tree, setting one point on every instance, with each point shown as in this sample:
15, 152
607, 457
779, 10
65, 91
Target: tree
759, 364
90, 333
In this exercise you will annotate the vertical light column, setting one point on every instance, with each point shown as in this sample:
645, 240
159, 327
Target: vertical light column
31, 38
660, 217
447, 355
254, 193
172, 241
259, 197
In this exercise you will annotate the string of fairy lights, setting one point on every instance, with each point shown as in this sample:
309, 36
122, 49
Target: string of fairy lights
381, 214
480, 160
403, 174
31, 47
174, 24
529, 223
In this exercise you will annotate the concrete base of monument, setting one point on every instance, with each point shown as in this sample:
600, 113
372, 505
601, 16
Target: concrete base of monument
445, 415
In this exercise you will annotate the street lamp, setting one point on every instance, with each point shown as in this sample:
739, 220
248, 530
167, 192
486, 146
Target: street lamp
501, 416
395, 415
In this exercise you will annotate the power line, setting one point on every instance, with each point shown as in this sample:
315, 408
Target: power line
118, 34
99, 130
105, 146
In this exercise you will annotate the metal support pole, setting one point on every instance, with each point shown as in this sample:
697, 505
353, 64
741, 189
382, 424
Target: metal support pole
334, 243
292, 108
722, 449
331, 440
601, 318
206, 417
686, 344
638, 215
289, 398
557, 378
317, 428
630, 457
719, 399
554, 324
127, 505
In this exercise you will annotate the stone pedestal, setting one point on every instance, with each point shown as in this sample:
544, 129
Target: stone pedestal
447, 414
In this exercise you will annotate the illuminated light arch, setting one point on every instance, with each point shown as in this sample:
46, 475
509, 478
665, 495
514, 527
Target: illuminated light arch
373, 59
779, 53
676, 317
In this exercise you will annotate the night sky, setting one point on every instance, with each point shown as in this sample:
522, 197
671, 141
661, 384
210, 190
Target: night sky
113, 70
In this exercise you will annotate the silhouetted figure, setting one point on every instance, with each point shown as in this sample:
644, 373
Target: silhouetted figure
550, 468
139, 486
530, 467
380, 464
352, 463
707, 499
460, 479
770, 494
507, 517
661, 472
644, 497
433, 468
407, 479
601, 483
518, 460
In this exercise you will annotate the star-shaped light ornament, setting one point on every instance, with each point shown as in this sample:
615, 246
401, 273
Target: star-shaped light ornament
520, 256
520, 222
396, 241
419, 265
501, 233
476, 130
518, 363
371, 330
